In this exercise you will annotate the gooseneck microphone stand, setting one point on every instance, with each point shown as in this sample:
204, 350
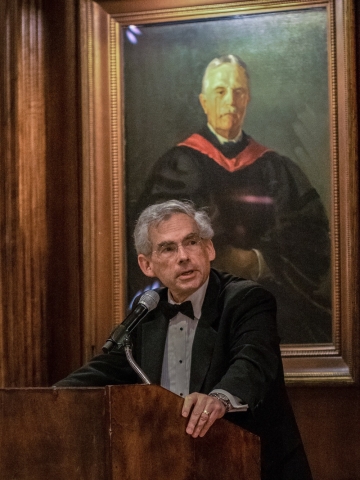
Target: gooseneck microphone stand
127, 344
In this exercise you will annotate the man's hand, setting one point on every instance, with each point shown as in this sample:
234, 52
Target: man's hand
204, 413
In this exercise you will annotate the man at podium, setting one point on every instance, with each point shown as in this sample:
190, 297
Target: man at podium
211, 339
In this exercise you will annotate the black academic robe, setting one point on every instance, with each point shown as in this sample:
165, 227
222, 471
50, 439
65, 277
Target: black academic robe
236, 348
268, 204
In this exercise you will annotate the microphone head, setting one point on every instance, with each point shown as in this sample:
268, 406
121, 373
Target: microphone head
150, 299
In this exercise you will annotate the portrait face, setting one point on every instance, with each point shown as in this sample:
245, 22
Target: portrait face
180, 259
225, 98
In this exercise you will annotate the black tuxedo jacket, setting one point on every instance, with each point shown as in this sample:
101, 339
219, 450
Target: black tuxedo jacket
236, 348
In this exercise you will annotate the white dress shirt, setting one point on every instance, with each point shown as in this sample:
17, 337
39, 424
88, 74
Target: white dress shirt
176, 366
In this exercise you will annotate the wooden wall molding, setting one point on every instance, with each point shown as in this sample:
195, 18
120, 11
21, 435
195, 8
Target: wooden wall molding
22, 195
40, 202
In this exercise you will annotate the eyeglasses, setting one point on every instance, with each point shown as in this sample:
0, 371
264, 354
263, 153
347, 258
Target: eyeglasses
169, 250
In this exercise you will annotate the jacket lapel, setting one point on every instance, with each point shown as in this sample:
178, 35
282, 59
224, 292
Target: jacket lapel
205, 336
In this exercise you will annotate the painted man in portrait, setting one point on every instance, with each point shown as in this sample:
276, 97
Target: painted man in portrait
270, 224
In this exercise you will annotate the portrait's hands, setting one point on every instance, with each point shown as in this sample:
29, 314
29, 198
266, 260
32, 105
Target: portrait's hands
205, 410
237, 261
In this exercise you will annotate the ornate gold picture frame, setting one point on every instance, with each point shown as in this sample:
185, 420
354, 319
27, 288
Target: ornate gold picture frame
111, 38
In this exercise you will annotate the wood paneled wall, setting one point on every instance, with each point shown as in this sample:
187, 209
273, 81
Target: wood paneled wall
40, 198
329, 422
63, 187
41, 211
23, 195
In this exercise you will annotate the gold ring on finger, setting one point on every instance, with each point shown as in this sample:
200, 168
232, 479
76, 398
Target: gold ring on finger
206, 412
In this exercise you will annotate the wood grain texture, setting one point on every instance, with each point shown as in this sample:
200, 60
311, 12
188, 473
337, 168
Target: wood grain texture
125, 432
64, 309
40, 199
53, 434
156, 414
23, 196
329, 422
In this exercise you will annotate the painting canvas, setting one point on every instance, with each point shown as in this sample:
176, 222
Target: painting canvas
279, 205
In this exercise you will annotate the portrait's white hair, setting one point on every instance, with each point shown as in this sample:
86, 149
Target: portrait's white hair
216, 62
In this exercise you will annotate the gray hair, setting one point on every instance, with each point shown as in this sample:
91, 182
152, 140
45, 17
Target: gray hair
154, 214
216, 62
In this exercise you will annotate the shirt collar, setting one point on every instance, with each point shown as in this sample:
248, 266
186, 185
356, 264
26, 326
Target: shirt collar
222, 139
197, 299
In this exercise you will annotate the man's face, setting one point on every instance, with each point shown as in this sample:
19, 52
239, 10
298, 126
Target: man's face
187, 269
225, 99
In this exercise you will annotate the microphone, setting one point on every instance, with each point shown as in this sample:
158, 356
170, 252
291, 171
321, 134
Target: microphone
148, 301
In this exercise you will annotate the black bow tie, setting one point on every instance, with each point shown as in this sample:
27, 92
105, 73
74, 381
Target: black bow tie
170, 310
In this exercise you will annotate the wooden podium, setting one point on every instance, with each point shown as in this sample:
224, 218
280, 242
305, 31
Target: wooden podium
127, 432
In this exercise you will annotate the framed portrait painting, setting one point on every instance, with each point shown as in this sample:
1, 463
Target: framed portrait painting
279, 186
